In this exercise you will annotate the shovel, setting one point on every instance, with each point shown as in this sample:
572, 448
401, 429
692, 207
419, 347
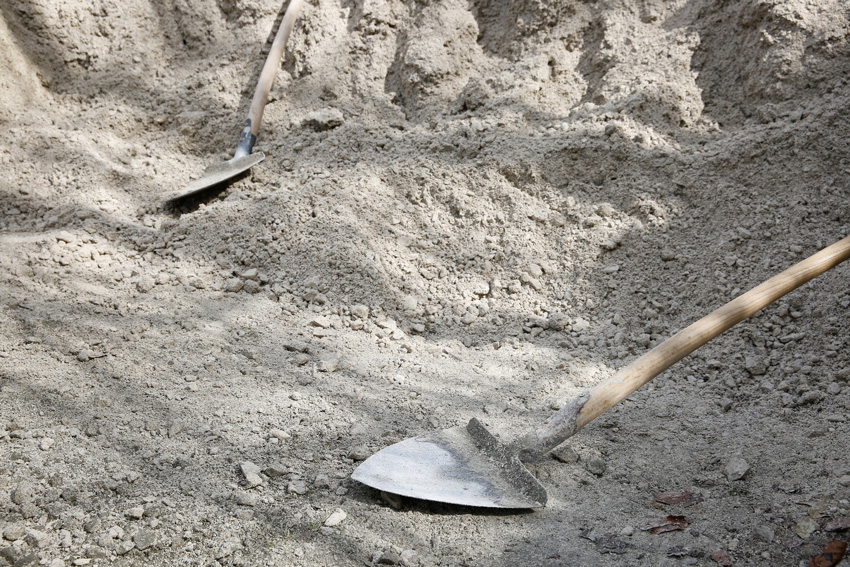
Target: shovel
243, 159
466, 465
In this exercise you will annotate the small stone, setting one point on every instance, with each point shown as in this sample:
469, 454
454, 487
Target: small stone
833, 389
14, 532
595, 465
251, 473
766, 533
809, 398
228, 548
534, 270
558, 321
565, 454
124, 547
324, 119
297, 487
756, 365
469, 318
81, 561
336, 518
844, 480
23, 493
329, 362
37, 539
279, 434
144, 539
409, 303
234, 285
627, 531
247, 499
145, 284
321, 322
360, 311
56, 562
275, 470
46, 444
251, 274
389, 557
135, 513
736, 468
359, 453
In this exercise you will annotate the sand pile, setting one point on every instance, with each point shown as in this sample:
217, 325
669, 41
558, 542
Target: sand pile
467, 209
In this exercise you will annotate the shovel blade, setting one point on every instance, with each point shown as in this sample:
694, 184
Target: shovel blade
221, 172
464, 465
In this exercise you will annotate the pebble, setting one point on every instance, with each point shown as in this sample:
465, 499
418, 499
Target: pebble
144, 539
247, 499
14, 532
329, 362
251, 473
336, 518
23, 493
276, 470
389, 557
135, 513
234, 285
37, 539
844, 480
766, 533
279, 434
46, 444
297, 487
124, 547
736, 468
360, 311
359, 453
756, 365
668, 255
595, 465
321, 322
324, 119
565, 454
627, 531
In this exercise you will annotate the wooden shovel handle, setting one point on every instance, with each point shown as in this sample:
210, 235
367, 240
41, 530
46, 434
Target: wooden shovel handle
592, 404
267, 75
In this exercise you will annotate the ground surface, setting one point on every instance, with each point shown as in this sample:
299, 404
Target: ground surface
468, 209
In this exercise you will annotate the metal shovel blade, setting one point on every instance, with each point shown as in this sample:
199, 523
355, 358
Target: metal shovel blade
221, 172
464, 465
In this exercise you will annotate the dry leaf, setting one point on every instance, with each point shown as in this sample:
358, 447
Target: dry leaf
682, 498
722, 558
668, 524
806, 527
832, 555
838, 525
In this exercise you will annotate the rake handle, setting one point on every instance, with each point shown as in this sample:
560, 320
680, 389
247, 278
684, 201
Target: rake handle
590, 405
264, 84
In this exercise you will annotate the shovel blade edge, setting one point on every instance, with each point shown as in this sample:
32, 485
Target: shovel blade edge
463, 465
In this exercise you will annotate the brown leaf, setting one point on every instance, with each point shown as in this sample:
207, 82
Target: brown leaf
832, 555
668, 524
683, 498
838, 525
722, 558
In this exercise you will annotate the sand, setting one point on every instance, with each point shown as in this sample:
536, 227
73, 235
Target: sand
467, 209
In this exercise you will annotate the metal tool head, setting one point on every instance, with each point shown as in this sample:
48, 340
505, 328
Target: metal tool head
221, 172
464, 465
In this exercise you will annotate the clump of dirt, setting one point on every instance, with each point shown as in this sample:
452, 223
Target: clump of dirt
466, 210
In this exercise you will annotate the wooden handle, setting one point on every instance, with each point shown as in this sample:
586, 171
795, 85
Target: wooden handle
590, 405
264, 84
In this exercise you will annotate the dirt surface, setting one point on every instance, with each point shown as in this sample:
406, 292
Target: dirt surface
468, 209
